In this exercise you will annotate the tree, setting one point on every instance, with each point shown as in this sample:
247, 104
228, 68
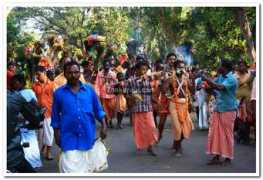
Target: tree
213, 31
242, 19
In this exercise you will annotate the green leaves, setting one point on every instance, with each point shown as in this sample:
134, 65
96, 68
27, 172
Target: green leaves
213, 31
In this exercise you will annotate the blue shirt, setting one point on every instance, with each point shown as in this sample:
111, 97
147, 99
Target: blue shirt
198, 81
74, 115
28, 94
226, 98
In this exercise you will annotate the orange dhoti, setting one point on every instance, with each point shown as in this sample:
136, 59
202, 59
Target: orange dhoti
220, 135
163, 105
108, 105
121, 103
181, 121
144, 130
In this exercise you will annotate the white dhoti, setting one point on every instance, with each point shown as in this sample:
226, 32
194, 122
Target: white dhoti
47, 133
203, 116
76, 161
203, 110
32, 153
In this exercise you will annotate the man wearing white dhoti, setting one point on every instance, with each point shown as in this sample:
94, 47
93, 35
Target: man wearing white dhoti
74, 110
44, 88
201, 97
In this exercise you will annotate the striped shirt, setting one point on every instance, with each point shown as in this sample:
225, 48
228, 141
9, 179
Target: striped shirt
143, 88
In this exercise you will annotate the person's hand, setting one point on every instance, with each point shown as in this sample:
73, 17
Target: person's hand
103, 133
203, 77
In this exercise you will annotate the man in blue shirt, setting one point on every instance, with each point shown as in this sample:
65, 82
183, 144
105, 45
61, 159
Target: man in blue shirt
74, 110
220, 136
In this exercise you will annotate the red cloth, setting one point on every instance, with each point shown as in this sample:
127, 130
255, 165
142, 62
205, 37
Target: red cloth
220, 135
163, 104
123, 58
155, 94
44, 62
10, 75
144, 130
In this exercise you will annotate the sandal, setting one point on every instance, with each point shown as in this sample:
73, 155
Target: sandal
226, 162
214, 161
150, 151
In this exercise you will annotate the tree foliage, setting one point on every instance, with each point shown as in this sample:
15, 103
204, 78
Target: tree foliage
212, 31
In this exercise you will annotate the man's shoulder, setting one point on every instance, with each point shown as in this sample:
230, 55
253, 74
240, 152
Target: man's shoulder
60, 89
88, 86
51, 84
232, 77
27, 91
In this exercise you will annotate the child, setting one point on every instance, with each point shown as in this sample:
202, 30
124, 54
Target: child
121, 104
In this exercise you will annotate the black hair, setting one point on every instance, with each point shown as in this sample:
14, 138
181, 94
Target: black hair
120, 74
158, 65
159, 61
227, 64
12, 63
171, 54
50, 72
176, 64
110, 58
84, 63
126, 64
140, 57
20, 78
69, 64
141, 63
105, 62
40, 69
241, 61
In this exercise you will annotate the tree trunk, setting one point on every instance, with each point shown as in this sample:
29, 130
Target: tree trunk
242, 19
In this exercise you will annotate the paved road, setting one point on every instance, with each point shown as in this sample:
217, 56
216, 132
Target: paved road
125, 159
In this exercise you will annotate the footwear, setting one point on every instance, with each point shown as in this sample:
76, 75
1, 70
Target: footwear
110, 124
178, 149
159, 137
174, 145
119, 126
214, 161
107, 124
161, 128
151, 152
178, 154
226, 162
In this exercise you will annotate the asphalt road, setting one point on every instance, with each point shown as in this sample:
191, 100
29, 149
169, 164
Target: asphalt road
124, 158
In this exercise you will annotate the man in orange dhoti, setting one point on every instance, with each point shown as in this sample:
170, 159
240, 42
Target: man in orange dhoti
178, 106
144, 130
220, 136
104, 82
163, 100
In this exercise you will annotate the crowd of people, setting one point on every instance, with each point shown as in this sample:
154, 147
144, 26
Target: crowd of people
147, 92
